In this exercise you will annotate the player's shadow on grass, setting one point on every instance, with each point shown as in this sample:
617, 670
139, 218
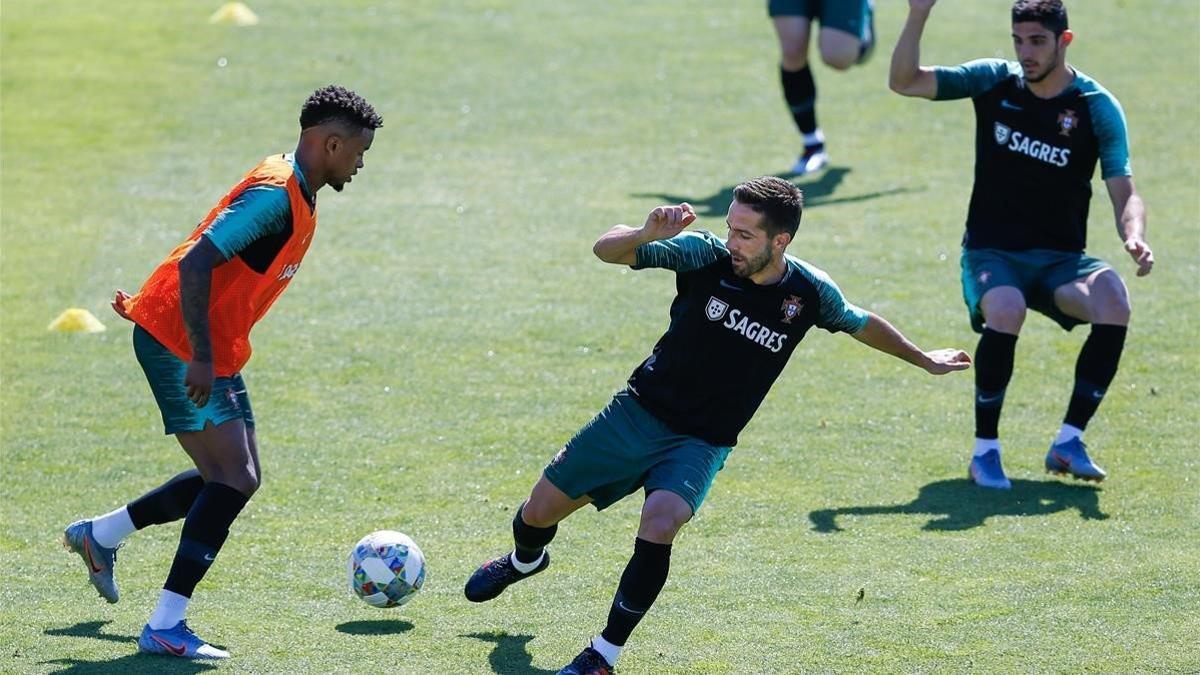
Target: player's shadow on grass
962, 505
374, 627
88, 629
132, 663
510, 655
817, 192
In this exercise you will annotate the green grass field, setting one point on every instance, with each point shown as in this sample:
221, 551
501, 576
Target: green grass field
450, 330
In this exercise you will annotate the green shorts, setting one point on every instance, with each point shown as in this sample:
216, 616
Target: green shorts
1036, 273
165, 372
625, 448
848, 16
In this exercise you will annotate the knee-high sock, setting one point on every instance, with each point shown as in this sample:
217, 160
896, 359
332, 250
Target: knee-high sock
1094, 371
993, 370
800, 92
168, 502
204, 531
530, 541
641, 582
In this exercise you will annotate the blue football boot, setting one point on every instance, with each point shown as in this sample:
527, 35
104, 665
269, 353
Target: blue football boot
985, 471
99, 560
1071, 458
178, 640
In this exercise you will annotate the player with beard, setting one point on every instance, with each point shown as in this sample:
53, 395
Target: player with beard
1041, 127
742, 306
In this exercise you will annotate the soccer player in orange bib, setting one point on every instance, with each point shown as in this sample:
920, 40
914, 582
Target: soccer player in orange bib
191, 336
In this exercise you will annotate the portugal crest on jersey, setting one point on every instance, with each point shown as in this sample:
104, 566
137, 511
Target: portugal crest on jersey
1002, 133
791, 308
1067, 121
716, 308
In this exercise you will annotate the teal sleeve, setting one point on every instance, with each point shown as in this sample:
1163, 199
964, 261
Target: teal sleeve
1109, 122
837, 314
260, 211
684, 252
971, 78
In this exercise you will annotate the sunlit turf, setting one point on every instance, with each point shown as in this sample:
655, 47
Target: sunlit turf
450, 329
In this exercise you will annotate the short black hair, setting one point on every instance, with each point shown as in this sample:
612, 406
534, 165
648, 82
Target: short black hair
335, 103
779, 201
1052, 14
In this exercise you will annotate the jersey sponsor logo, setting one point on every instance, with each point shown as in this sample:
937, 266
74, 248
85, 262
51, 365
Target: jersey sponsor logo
791, 308
1004, 103
1016, 141
754, 331
726, 284
288, 271
1067, 122
716, 308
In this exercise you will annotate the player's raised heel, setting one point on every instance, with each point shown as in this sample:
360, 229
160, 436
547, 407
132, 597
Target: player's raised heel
497, 574
1071, 458
178, 640
99, 560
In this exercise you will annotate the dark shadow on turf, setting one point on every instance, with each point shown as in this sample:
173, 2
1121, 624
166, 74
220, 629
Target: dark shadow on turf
133, 663
375, 627
962, 505
818, 192
88, 629
510, 655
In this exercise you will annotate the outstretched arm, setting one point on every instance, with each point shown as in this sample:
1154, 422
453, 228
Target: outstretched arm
881, 335
1130, 213
906, 76
619, 244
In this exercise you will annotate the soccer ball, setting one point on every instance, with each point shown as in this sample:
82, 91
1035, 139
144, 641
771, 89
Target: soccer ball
386, 569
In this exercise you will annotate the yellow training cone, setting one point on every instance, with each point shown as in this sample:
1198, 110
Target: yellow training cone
76, 320
236, 13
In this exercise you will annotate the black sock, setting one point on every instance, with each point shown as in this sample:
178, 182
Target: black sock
530, 541
800, 92
1094, 371
993, 370
643, 578
204, 530
168, 502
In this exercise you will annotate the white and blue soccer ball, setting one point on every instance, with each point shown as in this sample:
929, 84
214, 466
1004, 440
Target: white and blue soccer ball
386, 569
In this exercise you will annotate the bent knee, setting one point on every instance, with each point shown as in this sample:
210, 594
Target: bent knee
1005, 318
839, 50
1110, 301
662, 527
839, 60
245, 482
537, 515
793, 58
